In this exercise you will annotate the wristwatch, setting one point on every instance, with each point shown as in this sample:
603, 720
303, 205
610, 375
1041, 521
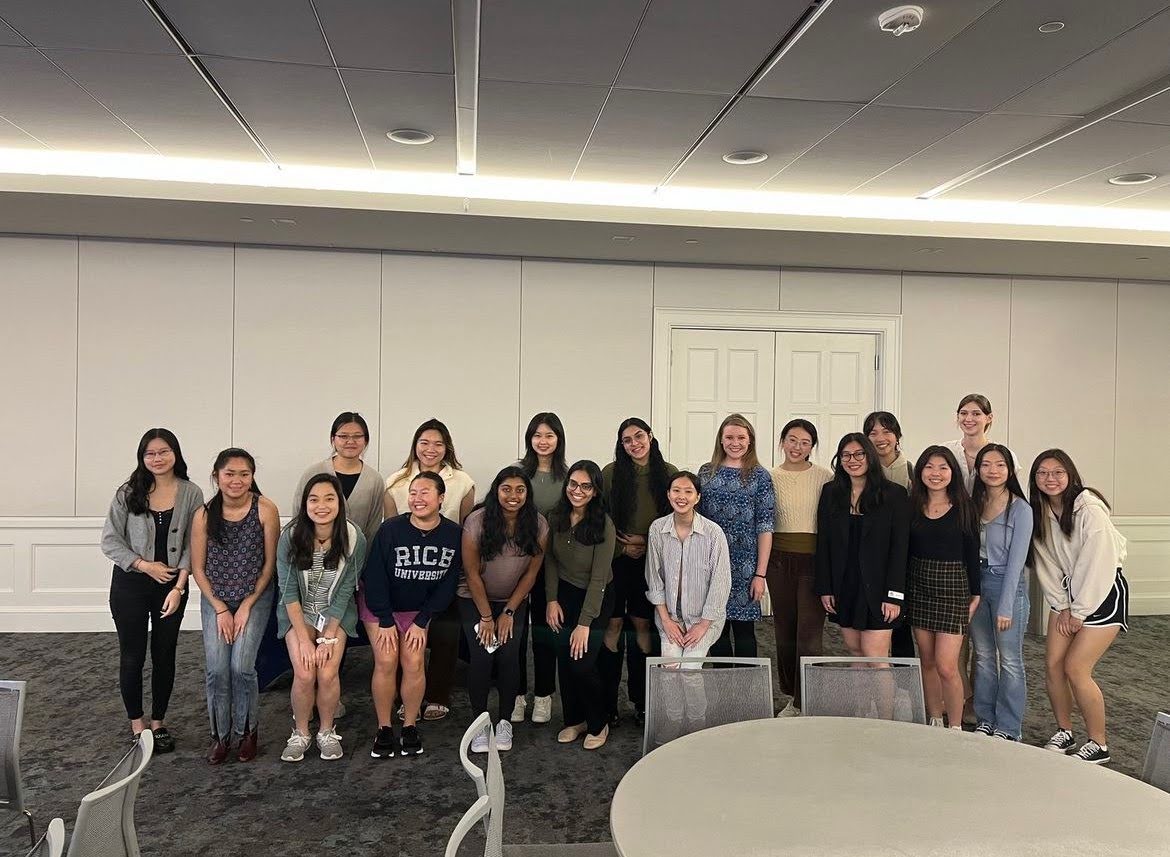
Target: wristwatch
508, 611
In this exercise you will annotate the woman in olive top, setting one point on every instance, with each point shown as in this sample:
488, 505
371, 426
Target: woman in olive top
577, 571
885, 432
637, 482
797, 612
544, 464
147, 537
361, 484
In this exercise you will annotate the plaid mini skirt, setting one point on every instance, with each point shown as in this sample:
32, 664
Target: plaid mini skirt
938, 595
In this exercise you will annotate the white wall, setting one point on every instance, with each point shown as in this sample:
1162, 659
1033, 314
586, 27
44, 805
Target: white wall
261, 347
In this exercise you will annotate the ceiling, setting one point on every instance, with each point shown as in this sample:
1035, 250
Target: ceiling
629, 92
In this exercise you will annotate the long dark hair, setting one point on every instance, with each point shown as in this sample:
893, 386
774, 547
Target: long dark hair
591, 530
956, 490
531, 460
1067, 498
304, 531
874, 492
494, 536
449, 456
623, 492
141, 481
214, 507
979, 490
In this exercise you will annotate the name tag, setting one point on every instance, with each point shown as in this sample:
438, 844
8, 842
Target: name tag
893, 594
320, 623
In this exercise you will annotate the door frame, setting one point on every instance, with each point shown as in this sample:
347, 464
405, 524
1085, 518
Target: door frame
887, 329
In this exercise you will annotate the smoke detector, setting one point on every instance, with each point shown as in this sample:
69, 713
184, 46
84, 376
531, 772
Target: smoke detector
900, 20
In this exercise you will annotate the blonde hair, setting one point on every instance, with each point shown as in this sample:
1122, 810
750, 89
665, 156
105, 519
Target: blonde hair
750, 460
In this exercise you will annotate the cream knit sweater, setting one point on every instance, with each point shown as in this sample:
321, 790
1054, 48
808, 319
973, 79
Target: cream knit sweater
797, 495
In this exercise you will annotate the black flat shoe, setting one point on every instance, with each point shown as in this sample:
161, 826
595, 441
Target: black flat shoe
164, 742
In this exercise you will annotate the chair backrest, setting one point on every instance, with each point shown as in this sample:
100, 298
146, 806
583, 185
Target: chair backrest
478, 726
105, 821
878, 688
1157, 768
685, 695
495, 788
52, 844
489, 806
11, 716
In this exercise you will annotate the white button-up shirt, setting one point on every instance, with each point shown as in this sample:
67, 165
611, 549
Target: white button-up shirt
695, 573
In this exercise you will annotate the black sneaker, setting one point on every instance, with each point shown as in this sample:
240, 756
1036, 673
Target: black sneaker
164, 742
1007, 736
984, 729
385, 744
1093, 753
1061, 742
411, 742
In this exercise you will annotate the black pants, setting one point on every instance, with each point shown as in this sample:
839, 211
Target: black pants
136, 600
737, 640
443, 641
902, 642
505, 659
582, 693
544, 645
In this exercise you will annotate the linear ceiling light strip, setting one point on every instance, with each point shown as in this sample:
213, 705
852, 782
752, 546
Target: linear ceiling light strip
465, 18
794, 34
1110, 110
202, 71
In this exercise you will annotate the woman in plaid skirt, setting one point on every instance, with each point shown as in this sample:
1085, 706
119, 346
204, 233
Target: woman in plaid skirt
943, 579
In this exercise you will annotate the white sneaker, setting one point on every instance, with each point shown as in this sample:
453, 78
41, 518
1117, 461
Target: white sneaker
542, 709
479, 744
789, 710
937, 721
503, 735
518, 710
329, 743
295, 749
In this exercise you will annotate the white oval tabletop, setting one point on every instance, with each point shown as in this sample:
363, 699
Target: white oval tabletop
830, 786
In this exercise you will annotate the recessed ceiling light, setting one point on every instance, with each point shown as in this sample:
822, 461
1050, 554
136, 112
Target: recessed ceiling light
411, 136
247, 220
283, 221
745, 158
691, 241
1142, 258
1051, 27
929, 250
626, 238
1133, 178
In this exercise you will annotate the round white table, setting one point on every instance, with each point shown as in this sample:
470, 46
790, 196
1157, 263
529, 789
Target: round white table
830, 786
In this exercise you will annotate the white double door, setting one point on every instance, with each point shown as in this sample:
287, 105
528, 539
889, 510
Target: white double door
770, 377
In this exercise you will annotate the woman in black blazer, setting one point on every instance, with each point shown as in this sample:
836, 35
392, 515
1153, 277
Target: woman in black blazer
863, 530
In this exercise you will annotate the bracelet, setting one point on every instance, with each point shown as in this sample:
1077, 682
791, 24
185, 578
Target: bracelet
221, 612
486, 619
328, 641
761, 576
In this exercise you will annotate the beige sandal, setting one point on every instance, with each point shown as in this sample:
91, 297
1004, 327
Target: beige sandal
434, 711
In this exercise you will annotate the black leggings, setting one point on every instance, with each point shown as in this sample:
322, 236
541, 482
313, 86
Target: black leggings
506, 658
737, 640
136, 600
582, 692
544, 645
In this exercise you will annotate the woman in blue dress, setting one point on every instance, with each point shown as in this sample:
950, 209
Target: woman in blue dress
739, 496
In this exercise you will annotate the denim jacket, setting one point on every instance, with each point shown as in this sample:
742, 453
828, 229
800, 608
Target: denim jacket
1008, 537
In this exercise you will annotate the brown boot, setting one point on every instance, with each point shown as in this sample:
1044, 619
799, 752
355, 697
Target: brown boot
249, 746
217, 753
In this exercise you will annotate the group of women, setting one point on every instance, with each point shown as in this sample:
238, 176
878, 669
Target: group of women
579, 561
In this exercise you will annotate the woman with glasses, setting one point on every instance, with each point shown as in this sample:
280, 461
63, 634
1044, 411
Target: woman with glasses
797, 612
147, 535
863, 530
997, 628
637, 481
738, 496
1077, 555
361, 484
577, 572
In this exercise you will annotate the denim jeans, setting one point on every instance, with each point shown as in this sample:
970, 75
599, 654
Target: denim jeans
233, 690
1000, 682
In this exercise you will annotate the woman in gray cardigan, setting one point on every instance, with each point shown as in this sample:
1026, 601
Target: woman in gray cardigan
147, 537
362, 485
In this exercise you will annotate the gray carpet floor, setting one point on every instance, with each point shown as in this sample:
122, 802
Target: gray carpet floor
74, 731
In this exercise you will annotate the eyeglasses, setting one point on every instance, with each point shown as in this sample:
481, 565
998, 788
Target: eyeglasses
345, 438
853, 456
1051, 474
799, 444
640, 437
583, 487
162, 453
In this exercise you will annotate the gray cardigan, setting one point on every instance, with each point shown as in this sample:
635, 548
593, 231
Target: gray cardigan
364, 506
127, 537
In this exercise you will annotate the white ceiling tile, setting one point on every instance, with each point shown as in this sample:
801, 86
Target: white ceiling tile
14, 137
974, 144
874, 140
8, 36
1155, 198
533, 130
1155, 111
113, 25
385, 100
556, 41
1095, 148
1094, 188
277, 30
864, 59
642, 134
782, 128
164, 100
299, 111
49, 106
701, 46
1003, 53
399, 35
1116, 69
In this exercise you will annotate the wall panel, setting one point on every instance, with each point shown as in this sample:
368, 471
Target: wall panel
825, 290
693, 286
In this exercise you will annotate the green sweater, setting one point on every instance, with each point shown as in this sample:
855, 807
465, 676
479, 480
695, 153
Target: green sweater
645, 505
587, 567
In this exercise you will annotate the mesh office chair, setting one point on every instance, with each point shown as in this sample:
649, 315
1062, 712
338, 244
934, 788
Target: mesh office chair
685, 695
105, 821
878, 688
1157, 768
52, 844
11, 716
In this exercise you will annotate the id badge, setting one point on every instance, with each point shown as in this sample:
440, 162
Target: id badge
320, 623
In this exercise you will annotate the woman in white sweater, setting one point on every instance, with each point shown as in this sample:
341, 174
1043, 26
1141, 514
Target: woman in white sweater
1077, 555
797, 612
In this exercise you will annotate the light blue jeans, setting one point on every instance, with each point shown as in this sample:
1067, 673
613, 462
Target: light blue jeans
1001, 689
233, 690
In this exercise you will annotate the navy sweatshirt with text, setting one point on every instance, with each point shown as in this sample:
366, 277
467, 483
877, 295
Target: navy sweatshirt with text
409, 569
